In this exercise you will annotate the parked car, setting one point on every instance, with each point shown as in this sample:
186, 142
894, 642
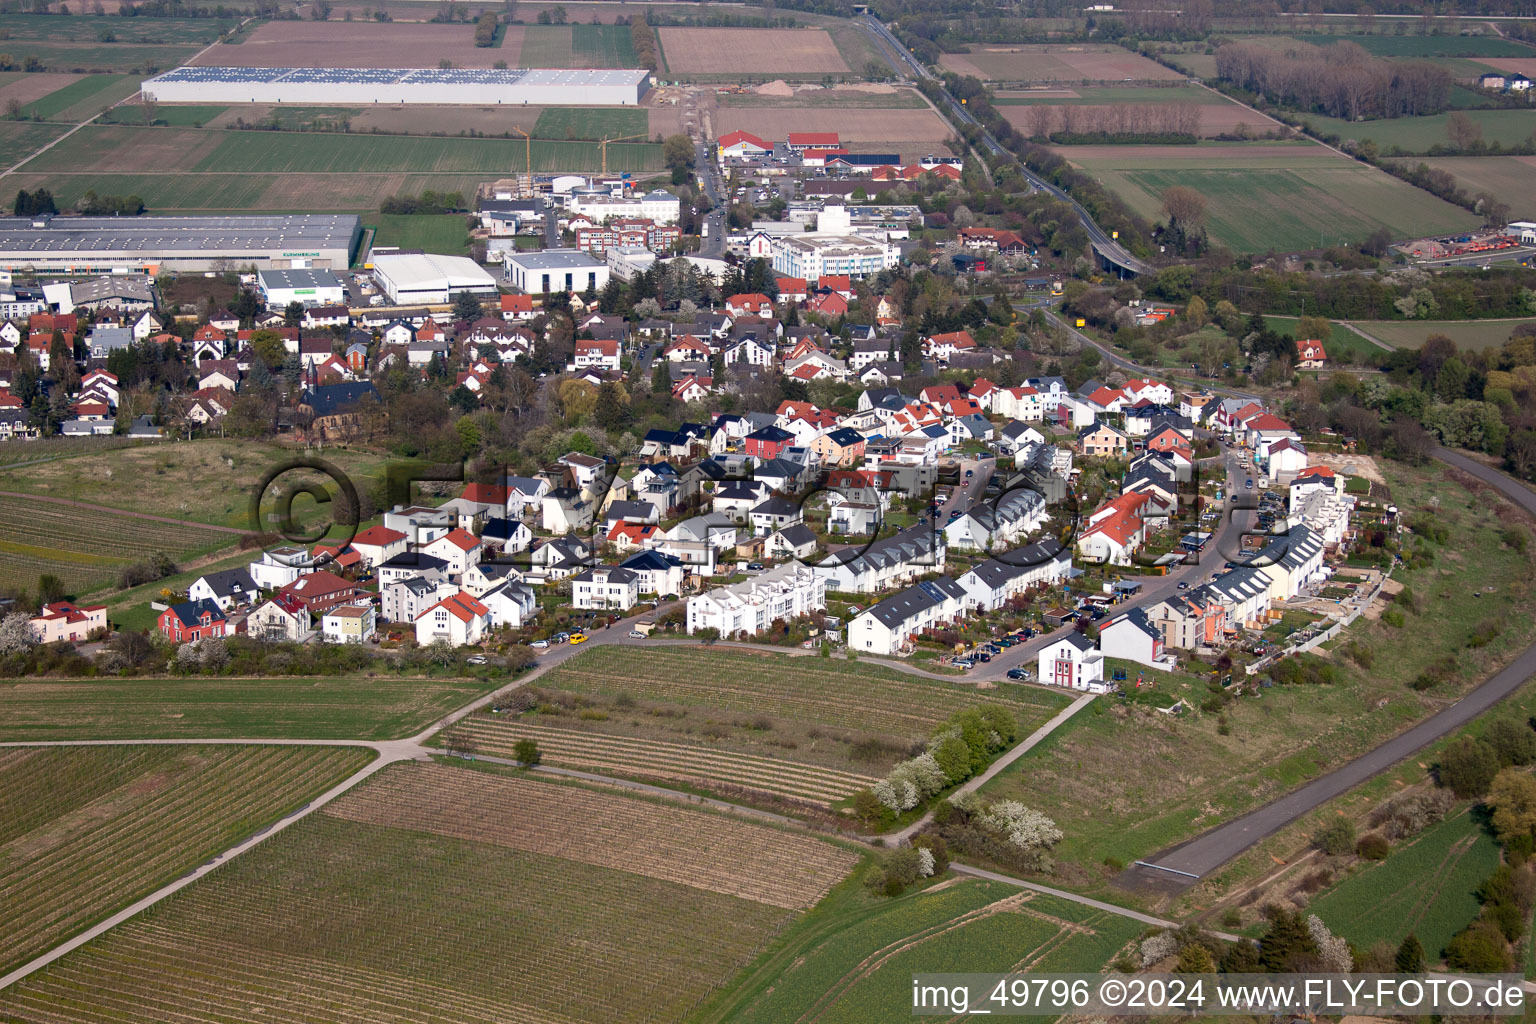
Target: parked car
476, 659
635, 634
964, 663
578, 638
1184, 584
1020, 673
755, 567
539, 645
560, 638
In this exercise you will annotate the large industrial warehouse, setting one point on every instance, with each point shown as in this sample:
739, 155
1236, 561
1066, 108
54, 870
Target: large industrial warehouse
428, 279
148, 245
352, 86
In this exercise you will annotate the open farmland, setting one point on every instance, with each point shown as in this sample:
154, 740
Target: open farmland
1328, 198
1467, 334
86, 548
28, 89
751, 51
853, 124
18, 138
854, 696
250, 193
82, 29
677, 762
1525, 65
849, 972
1427, 885
1126, 782
357, 44
101, 58
1174, 110
591, 123
1382, 45
1501, 175
86, 830
291, 707
188, 151
1420, 134
574, 46
82, 98
400, 902
1056, 62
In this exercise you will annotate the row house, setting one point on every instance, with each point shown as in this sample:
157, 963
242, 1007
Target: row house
918, 551
753, 605
986, 526
993, 583
889, 627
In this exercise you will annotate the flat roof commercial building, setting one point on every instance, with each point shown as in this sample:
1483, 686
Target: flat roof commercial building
484, 87
554, 270
812, 256
427, 279
306, 287
148, 245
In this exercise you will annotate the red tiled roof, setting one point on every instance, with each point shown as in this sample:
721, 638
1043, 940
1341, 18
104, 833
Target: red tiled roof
728, 140
378, 536
461, 539
813, 139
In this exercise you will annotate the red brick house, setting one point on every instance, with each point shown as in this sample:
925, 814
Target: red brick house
193, 620
318, 592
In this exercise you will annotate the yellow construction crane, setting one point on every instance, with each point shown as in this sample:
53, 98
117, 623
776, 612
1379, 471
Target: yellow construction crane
604, 147
528, 140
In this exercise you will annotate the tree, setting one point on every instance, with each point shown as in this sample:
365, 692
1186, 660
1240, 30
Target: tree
526, 752
50, 589
293, 314
1513, 799
466, 307
611, 409
1196, 313
1195, 959
1480, 948
1467, 768
1335, 838
677, 151
1184, 206
1286, 939
16, 633
1410, 956
661, 377
269, 347
1463, 132
1513, 741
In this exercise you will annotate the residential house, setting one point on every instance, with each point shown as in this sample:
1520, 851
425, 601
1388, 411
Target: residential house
752, 606
992, 584
227, 589
987, 526
772, 515
459, 619
378, 544
605, 587
279, 567
459, 548
656, 573
403, 600
349, 624
795, 541
1189, 620
889, 627
891, 561
193, 620
1310, 354
1102, 440
280, 617
321, 591
1073, 663
65, 621
1131, 636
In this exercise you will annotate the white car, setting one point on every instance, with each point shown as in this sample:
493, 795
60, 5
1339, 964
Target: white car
539, 644
635, 634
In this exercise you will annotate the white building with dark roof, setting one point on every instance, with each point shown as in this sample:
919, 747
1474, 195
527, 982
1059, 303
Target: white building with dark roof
753, 605
888, 627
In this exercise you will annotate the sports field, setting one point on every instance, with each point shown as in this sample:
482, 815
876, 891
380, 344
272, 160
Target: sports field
751, 51
1500, 175
1328, 199
574, 46
448, 894
292, 707
1467, 334
1055, 62
87, 830
1419, 134
1427, 885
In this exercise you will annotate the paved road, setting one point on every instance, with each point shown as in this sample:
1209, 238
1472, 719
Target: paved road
1087, 901
1205, 853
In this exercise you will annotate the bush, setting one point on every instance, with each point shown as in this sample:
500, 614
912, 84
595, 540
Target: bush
936, 846
1467, 768
1513, 742
1373, 846
1336, 838
1481, 948
1408, 814
526, 752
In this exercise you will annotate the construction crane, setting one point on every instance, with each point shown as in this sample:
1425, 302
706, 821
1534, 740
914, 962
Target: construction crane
528, 140
603, 145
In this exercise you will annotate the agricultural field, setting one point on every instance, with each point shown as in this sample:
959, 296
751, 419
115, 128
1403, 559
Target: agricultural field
291, 707
573, 46
842, 965
914, 132
178, 192
102, 58
1124, 782
400, 901
206, 481
751, 51
1328, 198
27, 89
20, 138
1467, 334
1138, 110
869, 94
1056, 62
87, 830
1419, 134
1500, 175
86, 549
1424, 46
1427, 885
802, 730
189, 115
81, 29
82, 98
591, 123
123, 150
356, 44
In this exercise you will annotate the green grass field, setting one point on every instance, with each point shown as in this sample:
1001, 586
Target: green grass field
902, 99
246, 193
1419, 134
1425, 46
1467, 334
1427, 886
1125, 783
187, 116
101, 57
590, 123
97, 90
433, 233
293, 707
120, 150
349, 913
64, 28
819, 970
87, 830
1342, 341
1328, 199
577, 46
18, 137
1500, 175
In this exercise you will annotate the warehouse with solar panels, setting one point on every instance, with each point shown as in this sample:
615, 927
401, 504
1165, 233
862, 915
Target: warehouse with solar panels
147, 245
483, 87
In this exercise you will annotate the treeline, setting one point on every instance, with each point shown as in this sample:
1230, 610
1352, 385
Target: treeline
93, 205
664, 20
429, 202
643, 37
1340, 80
1162, 120
485, 29
30, 204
